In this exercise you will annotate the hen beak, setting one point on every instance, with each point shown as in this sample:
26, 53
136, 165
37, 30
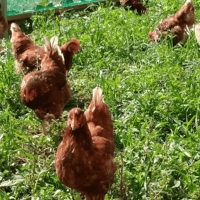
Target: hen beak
73, 126
93, 109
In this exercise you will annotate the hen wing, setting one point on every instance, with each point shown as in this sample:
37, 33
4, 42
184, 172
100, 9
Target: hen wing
44, 90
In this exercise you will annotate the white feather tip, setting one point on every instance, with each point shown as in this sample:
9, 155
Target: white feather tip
97, 97
14, 27
53, 45
54, 41
188, 1
97, 91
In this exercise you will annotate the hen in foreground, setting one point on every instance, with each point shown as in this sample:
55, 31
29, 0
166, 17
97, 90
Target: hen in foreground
28, 55
46, 91
134, 5
176, 24
85, 157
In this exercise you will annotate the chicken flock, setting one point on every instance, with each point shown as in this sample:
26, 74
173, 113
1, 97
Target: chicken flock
84, 159
175, 25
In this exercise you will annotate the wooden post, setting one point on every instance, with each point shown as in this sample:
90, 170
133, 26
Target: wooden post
3, 8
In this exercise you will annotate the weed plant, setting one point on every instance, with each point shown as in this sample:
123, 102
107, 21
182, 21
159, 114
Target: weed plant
152, 90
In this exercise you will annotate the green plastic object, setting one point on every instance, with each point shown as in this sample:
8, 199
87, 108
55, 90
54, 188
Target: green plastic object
15, 7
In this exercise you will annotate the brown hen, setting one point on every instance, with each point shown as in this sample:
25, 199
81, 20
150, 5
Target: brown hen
46, 91
85, 157
28, 55
3, 25
175, 24
134, 5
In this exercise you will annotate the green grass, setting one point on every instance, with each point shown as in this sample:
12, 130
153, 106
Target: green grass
152, 90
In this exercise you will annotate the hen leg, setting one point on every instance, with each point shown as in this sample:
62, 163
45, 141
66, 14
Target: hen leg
44, 127
47, 118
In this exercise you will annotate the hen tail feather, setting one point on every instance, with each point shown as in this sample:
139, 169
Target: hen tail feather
97, 97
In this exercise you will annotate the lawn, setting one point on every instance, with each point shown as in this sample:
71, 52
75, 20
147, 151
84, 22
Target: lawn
153, 93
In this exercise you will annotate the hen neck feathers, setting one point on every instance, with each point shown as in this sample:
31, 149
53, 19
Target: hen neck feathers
80, 136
